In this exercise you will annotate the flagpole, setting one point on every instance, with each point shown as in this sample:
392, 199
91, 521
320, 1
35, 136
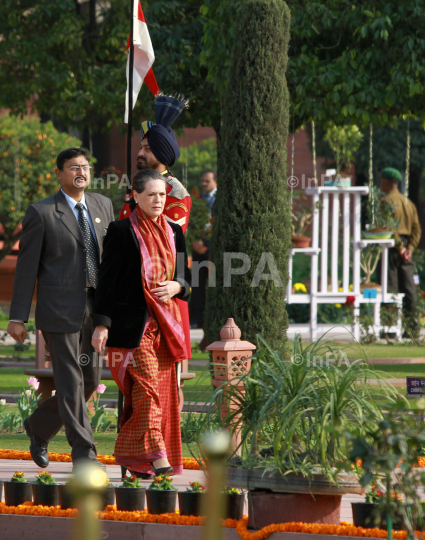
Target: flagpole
130, 99
129, 130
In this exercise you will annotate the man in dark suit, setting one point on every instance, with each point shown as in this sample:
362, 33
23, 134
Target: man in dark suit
61, 248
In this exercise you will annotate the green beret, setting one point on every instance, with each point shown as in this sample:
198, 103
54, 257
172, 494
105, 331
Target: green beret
391, 174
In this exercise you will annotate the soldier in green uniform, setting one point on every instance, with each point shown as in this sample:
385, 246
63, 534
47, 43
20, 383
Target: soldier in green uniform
407, 236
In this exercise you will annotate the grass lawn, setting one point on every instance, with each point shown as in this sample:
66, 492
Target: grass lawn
13, 381
400, 371
9, 350
104, 443
387, 351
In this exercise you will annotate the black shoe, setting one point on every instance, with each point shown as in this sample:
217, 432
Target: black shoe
163, 470
88, 460
38, 447
141, 475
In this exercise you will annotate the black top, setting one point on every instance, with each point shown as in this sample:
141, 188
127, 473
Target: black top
120, 302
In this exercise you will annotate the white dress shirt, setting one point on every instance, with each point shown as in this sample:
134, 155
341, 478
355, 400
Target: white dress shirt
73, 203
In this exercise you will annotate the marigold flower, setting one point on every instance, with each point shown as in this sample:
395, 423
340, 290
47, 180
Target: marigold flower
300, 287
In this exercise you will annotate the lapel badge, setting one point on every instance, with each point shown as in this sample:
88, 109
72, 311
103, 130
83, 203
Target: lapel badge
97, 220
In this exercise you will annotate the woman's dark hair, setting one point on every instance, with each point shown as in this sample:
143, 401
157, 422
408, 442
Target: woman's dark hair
70, 153
140, 179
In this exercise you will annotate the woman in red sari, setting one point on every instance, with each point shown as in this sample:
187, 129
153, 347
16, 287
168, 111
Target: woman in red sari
143, 271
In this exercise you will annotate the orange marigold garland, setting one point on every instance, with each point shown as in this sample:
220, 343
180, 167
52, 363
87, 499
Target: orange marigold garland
188, 463
111, 513
344, 529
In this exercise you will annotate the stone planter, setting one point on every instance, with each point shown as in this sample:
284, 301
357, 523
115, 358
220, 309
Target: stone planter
161, 501
16, 493
190, 503
130, 499
292, 497
45, 494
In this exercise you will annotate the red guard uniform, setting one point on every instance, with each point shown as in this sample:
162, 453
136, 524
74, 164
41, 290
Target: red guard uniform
177, 209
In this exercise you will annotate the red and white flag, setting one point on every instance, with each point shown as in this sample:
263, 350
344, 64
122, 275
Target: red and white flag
144, 57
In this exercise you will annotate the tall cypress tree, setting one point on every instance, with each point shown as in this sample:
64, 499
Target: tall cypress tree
252, 214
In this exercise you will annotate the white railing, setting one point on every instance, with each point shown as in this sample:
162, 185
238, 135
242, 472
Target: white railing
349, 220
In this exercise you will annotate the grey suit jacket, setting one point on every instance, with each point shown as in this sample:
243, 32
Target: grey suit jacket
52, 251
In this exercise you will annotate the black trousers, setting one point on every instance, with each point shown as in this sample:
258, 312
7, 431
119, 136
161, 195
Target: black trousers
77, 372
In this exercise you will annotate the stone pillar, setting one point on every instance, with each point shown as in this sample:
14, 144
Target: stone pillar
231, 360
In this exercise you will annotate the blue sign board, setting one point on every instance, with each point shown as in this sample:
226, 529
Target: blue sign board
370, 293
415, 386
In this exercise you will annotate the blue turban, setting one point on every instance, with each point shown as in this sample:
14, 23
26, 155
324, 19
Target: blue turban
161, 138
163, 144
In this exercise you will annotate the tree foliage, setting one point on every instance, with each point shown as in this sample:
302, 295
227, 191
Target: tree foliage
353, 62
28, 151
349, 61
252, 215
67, 59
195, 160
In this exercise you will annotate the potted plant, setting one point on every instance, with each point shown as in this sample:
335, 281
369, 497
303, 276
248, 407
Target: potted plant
109, 496
17, 490
235, 501
381, 223
366, 514
161, 495
65, 499
381, 226
45, 490
302, 217
390, 450
131, 495
191, 499
344, 142
298, 409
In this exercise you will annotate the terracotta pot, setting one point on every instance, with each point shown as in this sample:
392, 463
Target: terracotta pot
45, 494
235, 502
366, 515
190, 503
301, 241
161, 502
130, 499
16, 493
64, 497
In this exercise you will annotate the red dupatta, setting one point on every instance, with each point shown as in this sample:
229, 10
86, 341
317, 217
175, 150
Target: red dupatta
158, 254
